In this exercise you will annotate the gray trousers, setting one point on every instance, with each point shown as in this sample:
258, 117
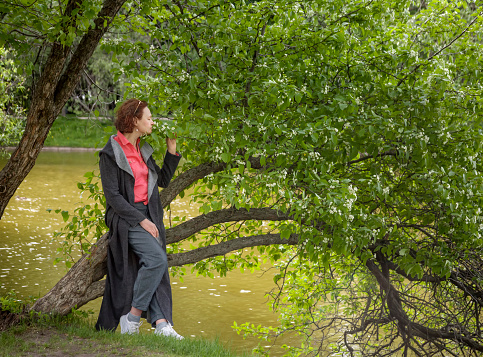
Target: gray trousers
153, 264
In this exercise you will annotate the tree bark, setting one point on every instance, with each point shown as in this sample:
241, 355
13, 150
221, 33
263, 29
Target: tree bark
223, 248
188, 177
81, 283
199, 223
50, 93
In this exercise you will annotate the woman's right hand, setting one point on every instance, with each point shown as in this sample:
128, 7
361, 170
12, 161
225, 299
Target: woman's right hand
150, 227
171, 144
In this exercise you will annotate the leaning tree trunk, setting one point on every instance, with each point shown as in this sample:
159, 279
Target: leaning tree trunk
80, 285
50, 93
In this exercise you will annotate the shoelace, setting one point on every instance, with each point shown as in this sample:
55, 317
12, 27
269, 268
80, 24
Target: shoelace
170, 331
134, 326
173, 332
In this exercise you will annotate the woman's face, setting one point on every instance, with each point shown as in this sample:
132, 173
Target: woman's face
145, 124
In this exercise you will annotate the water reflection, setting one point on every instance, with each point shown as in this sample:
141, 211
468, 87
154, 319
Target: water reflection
26, 248
202, 306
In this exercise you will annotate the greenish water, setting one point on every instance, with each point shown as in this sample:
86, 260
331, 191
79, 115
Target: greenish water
202, 306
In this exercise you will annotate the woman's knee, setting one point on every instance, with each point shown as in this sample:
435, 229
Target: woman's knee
155, 260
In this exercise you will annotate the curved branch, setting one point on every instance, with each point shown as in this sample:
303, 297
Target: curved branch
405, 325
462, 279
197, 224
260, 33
188, 177
223, 248
347, 16
455, 278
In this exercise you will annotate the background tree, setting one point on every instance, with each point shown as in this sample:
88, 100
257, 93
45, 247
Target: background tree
339, 138
58, 37
98, 90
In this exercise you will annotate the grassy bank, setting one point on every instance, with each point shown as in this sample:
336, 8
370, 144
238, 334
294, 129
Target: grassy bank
74, 132
73, 335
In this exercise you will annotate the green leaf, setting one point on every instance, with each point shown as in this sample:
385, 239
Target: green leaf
263, 160
298, 97
225, 157
65, 215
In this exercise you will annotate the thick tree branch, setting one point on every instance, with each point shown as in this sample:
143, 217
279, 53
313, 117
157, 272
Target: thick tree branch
223, 248
188, 177
197, 224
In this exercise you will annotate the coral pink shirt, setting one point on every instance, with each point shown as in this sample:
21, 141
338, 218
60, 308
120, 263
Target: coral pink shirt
138, 167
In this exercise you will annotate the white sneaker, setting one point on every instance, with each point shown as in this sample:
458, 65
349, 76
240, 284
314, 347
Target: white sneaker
168, 331
129, 327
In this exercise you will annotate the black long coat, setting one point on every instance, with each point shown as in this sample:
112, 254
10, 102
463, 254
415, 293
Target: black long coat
122, 264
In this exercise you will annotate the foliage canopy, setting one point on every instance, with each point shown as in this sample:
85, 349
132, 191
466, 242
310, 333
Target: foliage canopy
11, 92
355, 123
365, 120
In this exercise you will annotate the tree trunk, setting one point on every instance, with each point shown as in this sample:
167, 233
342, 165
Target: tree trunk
40, 118
50, 93
80, 285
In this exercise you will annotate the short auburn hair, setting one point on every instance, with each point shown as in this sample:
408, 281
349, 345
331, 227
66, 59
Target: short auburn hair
126, 114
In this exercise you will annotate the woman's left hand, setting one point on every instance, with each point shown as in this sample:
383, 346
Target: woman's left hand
171, 143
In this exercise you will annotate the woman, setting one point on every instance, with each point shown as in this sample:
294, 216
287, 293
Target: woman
137, 278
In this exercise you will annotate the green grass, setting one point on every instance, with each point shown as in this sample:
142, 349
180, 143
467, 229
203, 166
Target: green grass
83, 133
73, 335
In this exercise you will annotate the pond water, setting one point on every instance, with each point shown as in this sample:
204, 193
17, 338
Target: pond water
202, 306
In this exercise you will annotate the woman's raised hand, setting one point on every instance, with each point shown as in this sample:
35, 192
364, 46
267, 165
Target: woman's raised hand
171, 143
